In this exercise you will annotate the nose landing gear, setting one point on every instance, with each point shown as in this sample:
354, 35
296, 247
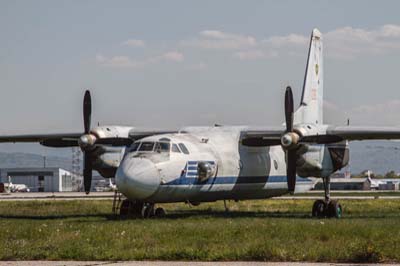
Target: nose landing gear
327, 208
138, 209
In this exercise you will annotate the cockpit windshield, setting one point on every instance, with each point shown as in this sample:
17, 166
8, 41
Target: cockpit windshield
146, 146
134, 147
162, 146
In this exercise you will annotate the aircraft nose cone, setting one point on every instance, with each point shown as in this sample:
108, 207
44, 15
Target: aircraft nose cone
137, 178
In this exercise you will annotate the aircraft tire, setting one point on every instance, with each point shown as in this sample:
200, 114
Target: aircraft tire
334, 209
319, 208
148, 211
159, 213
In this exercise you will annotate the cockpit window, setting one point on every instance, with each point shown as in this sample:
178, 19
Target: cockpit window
147, 146
183, 148
175, 148
162, 147
134, 147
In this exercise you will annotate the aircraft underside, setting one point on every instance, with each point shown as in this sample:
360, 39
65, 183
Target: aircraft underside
226, 188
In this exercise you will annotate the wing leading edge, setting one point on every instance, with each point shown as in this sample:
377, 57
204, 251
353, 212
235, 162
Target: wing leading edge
60, 140
364, 133
50, 140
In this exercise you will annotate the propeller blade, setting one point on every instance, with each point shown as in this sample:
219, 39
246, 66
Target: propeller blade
289, 109
291, 170
87, 111
116, 142
87, 172
321, 139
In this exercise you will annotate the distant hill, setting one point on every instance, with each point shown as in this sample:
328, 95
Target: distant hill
378, 156
19, 159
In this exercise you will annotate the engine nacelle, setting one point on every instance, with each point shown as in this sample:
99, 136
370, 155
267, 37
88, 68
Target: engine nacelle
111, 132
107, 158
322, 160
316, 160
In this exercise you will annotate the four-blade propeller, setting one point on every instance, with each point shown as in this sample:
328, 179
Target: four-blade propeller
88, 142
291, 140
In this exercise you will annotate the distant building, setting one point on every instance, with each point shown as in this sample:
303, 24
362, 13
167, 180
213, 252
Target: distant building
389, 186
43, 179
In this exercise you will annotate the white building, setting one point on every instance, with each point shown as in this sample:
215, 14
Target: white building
42, 179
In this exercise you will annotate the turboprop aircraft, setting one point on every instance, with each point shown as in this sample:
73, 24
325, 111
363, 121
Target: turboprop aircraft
202, 164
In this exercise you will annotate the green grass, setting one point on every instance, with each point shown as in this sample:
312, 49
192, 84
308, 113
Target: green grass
268, 230
367, 193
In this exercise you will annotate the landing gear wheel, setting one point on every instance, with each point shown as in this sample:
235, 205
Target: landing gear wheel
159, 213
129, 208
334, 209
319, 208
148, 211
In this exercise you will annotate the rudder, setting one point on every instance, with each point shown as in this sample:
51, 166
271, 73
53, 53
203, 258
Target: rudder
311, 109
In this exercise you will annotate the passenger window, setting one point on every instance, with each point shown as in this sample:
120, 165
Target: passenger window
175, 148
162, 147
146, 146
183, 148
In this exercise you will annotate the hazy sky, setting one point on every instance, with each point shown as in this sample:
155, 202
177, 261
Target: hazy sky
173, 63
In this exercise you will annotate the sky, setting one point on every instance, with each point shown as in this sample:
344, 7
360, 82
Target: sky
166, 64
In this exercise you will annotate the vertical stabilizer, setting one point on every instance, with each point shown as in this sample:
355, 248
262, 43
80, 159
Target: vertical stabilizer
310, 110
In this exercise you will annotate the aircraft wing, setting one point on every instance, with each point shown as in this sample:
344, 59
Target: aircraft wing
364, 133
272, 136
59, 140
136, 134
50, 140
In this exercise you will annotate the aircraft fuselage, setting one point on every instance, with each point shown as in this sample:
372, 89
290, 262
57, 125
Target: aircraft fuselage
202, 164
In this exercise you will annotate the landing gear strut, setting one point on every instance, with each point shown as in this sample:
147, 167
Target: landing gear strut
138, 209
327, 208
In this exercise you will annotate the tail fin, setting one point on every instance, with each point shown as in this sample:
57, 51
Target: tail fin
310, 110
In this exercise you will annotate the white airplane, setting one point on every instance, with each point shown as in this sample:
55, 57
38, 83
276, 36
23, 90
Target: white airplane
374, 183
112, 186
203, 164
15, 187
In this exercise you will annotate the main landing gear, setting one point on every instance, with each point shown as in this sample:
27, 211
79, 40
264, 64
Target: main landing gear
138, 209
327, 208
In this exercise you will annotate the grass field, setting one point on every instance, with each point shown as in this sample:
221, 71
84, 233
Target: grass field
343, 193
269, 230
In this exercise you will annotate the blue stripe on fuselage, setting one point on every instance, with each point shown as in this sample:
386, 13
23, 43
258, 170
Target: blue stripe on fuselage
232, 180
